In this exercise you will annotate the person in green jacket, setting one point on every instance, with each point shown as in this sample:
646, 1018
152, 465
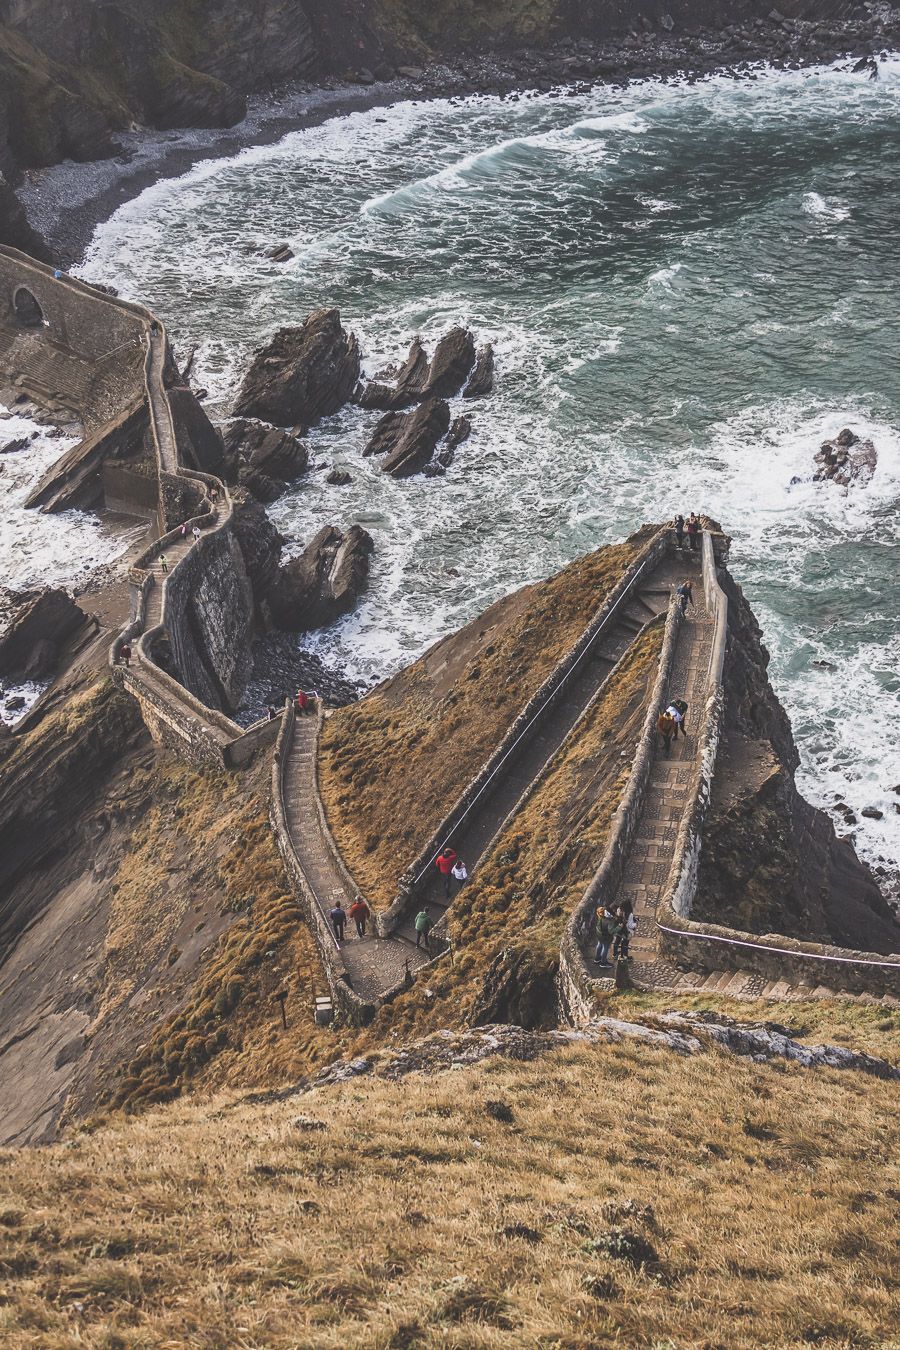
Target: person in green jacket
423, 925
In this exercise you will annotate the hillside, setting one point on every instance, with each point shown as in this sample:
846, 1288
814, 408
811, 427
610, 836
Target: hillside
597, 1194
393, 764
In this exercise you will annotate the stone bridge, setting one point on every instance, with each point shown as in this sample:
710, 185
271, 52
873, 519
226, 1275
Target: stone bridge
651, 857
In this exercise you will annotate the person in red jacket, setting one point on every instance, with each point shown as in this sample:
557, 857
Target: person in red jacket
444, 864
359, 912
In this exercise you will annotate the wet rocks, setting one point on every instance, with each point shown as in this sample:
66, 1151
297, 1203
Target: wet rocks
263, 458
416, 437
12, 447
339, 477
407, 386
453, 360
303, 374
324, 582
846, 460
259, 541
481, 380
30, 647
279, 253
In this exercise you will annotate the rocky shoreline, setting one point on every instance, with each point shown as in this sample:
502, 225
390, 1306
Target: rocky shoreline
67, 201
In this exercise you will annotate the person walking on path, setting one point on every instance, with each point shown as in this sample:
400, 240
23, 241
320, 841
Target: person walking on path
444, 864
605, 926
677, 710
666, 726
625, 926
338, 920
679, 531
359, 912
693, 531
184, 529
163, 563
302, 702
685, 593
460, 873
196, 533
125, 653
424, 923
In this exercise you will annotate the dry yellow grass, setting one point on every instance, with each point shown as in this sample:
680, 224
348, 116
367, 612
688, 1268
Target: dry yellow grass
635, 1198
392, 765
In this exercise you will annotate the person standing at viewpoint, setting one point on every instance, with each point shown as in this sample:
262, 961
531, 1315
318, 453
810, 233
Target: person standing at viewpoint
693, 531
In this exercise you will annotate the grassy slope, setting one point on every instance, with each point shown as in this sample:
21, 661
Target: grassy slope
392, 765
757, 1203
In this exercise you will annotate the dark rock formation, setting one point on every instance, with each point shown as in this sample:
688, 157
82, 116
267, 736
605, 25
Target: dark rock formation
386, 434
302, 374
30, 648
14, 228
263, 458
460, 430
278, 253
519, 987
846, 460
324, 582
771, 862
453, 360
199, 443
417, 437
259, 541
339, 477
481, 381
407, 386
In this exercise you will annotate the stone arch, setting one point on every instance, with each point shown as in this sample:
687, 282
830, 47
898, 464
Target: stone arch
28, 310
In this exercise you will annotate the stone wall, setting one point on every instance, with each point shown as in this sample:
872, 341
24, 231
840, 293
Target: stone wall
343, 996
209, 620
128, 492
576, 983
90, 345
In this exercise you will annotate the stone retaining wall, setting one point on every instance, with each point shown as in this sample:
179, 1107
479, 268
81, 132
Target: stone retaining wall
343, 996
576, 983
525, 725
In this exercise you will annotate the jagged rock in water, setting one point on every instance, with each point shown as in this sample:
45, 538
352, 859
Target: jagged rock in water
30, 647
386, 434
264, 457
460, 430
846, 460
259, 541
302, 374
407, 386
481, 381
324, 582
278, 253
339, 477
419, 435
453, 359
12, 447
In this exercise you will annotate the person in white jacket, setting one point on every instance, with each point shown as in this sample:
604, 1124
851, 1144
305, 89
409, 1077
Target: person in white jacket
626, 924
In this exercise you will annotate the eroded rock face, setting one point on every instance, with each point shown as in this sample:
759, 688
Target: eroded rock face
303, 374
263, 458
407, 386
846, 460
481, 381
30, 648
324, 582
417, 437
259, 541
453, 360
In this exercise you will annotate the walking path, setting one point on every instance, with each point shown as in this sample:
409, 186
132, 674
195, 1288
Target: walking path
667, 796
474, 837
375, 965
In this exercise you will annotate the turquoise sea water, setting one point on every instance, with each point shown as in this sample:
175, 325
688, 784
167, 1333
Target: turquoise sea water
688, 288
